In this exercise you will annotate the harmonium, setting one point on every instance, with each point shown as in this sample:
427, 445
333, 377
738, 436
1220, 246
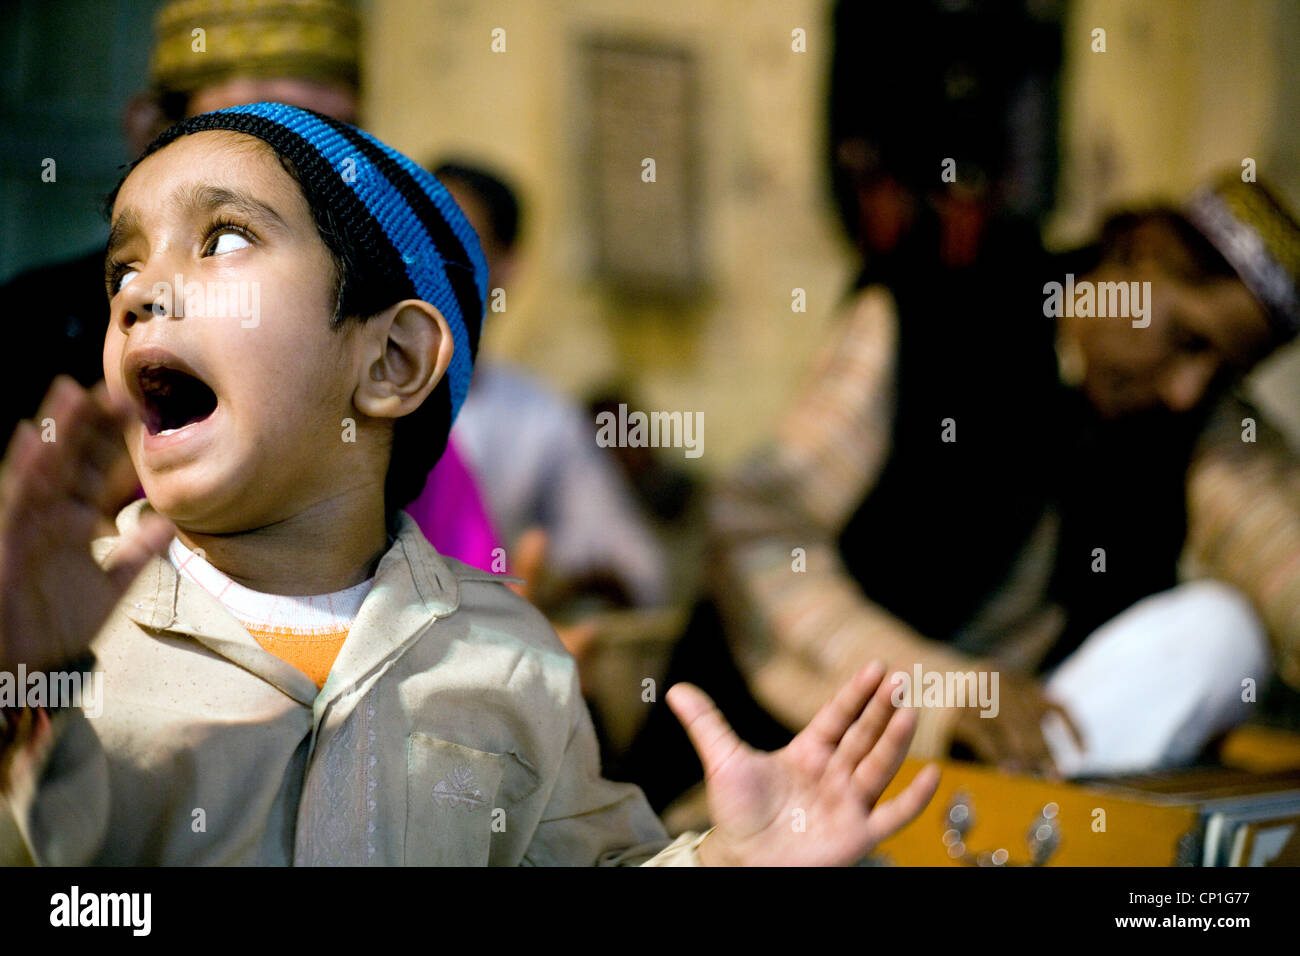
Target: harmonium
1243, 815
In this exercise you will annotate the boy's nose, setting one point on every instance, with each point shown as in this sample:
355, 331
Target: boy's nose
143, 298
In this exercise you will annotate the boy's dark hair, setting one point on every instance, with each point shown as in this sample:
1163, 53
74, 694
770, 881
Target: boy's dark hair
501, 201
362, 290
420, 438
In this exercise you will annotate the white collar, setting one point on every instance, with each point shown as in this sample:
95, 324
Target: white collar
310, 613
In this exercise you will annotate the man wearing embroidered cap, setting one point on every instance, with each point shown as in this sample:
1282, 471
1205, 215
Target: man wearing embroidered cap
1217, 314
210, 54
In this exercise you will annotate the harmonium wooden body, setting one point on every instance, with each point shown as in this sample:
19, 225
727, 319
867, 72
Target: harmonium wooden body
1220, 816
1245, 811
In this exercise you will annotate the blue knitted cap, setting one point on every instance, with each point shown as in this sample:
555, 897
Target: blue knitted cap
405, 222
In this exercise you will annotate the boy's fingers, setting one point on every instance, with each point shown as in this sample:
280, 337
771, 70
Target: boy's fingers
97, 429
79, 446
526, 561
21, 437
133, 553
15, 476
119, 409
711, 736
879, 766
866, 730
108, 475
73, 447
838, 714
80, 431
898, 811
107, 492
60, 388
120, 483
56, 424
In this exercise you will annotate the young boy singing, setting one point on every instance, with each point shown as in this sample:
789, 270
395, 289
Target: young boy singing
291, 674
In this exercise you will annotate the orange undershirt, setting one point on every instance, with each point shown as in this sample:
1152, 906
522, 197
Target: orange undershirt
312, 653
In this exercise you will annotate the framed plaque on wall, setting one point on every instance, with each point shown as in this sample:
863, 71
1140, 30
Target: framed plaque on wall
642, 170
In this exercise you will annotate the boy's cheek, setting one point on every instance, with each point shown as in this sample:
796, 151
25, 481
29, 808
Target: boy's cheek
131, 438
113, 381
112, 364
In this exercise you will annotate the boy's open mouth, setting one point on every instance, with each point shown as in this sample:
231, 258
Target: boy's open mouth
172, 399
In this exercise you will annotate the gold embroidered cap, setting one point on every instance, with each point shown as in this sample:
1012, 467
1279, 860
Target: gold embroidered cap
304, 39
1260, 238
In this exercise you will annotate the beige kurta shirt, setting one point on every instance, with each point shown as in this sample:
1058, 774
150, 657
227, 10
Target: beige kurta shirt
451, 730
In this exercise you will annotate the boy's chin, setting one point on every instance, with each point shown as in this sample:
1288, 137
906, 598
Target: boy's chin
188, 498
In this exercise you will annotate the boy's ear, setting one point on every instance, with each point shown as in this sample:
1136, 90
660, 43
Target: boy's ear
406, 350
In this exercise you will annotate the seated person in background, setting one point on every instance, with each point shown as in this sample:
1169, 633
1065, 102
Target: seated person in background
534, 452
302, 665
948, 493
450, 512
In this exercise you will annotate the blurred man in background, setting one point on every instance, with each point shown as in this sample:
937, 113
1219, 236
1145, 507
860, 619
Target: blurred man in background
966, 485
535, 452
1039, 535
976, 487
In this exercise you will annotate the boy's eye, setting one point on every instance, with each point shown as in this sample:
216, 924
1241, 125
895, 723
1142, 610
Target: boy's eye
123, 278
228, 241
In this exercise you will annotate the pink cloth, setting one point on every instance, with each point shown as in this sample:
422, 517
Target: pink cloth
451, 514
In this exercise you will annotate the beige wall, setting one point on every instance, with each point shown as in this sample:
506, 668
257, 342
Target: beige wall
1184, 88
435, 86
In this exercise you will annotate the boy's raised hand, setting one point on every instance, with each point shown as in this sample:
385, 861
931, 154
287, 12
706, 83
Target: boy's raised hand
812, 803
59, 478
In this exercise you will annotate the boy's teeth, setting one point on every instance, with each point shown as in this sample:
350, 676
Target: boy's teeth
169, 431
